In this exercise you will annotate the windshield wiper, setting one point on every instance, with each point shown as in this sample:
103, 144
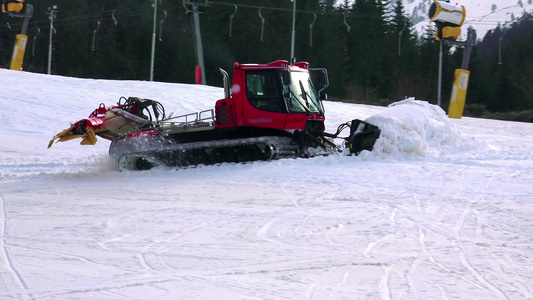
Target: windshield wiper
307, 96
292, 95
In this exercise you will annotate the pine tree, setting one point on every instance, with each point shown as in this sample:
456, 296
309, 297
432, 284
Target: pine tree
428, 68
405, 64
330, 48
367, 48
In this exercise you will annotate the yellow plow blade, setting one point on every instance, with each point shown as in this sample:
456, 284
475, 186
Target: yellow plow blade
89, 137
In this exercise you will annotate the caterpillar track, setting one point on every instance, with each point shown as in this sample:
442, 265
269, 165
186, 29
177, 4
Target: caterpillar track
209, 153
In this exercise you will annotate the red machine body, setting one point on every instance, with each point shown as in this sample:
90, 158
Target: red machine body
261, 98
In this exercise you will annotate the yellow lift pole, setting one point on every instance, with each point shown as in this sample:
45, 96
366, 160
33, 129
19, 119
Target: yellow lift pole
449, 18
14, 8
462, 76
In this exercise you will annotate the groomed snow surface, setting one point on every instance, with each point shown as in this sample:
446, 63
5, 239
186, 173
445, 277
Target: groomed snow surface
441, 209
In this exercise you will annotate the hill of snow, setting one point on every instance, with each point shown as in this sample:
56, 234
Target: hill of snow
441, 209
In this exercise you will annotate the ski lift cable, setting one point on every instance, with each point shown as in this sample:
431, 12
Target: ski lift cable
114, 18
187, 10
125, 12
346, 23
87, 18
161, 25
367, 16
311, 31
35, 38
231, 20
400, 38
94, 33
140, 10
262, 23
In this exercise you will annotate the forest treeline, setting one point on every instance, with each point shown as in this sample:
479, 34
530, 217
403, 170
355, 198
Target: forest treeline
370, 48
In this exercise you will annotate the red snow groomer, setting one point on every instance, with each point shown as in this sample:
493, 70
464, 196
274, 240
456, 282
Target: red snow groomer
269, 111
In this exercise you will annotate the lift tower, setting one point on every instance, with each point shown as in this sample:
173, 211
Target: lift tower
13, 8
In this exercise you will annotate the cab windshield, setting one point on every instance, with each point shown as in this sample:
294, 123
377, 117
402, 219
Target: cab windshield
299, 93
282, 91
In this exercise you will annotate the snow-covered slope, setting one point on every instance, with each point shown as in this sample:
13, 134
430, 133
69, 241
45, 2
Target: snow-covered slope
481, 15
440, 210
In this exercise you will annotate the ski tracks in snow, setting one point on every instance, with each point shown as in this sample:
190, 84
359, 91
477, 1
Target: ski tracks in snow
460, 228
6, 258
446, 240
152, 256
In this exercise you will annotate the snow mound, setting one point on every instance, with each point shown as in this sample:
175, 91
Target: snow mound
414, 127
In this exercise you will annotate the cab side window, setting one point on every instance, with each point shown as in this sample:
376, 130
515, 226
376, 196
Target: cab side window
263, 90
